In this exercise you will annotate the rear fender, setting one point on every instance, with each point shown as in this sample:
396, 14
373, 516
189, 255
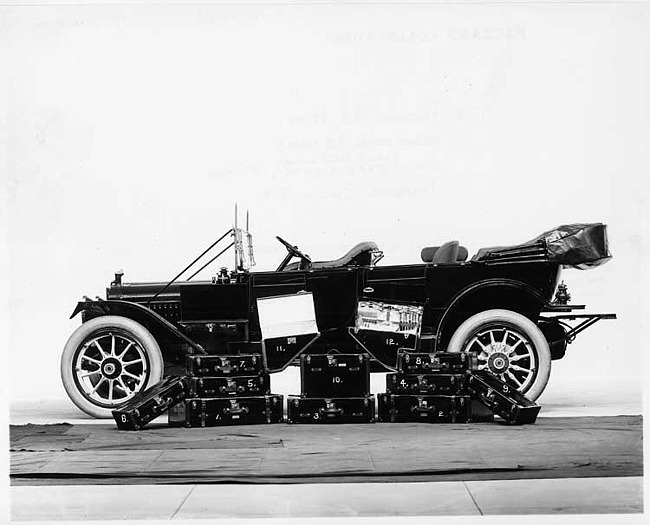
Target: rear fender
164, 331
506, 294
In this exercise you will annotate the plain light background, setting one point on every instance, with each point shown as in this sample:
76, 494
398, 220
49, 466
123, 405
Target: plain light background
133, 130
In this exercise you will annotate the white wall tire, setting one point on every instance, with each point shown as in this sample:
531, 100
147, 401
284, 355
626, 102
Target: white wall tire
510, 346
107, 361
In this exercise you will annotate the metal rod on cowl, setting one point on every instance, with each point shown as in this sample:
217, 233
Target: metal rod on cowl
211, 260
234, 233
249, 238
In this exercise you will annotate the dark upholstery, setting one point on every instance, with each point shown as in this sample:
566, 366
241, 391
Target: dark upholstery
359, 255
449, 252
428, 253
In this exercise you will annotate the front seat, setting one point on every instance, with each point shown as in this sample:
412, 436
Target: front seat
449, 252
359, 255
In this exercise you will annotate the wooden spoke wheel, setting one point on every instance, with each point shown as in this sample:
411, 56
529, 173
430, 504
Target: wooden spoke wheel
107, 361
508, 345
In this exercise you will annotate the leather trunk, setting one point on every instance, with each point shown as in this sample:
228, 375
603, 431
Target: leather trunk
423, 408
150, 404
331, 410
427, 363
224, 365
334, 375
432, 384
212, 412
503, 399
227, 386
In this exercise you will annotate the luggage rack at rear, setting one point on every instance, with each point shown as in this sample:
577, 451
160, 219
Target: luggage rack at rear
586, 320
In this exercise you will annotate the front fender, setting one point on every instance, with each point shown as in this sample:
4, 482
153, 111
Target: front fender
152, 321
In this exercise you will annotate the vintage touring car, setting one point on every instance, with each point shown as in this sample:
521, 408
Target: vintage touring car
505, 304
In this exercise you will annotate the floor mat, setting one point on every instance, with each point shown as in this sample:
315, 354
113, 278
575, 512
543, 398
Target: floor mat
552, 447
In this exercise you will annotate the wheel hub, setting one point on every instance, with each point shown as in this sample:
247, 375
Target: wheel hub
111, 368
498, 363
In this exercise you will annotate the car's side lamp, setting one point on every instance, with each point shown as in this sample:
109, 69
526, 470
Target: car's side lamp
562, 295
368, 289
118, 278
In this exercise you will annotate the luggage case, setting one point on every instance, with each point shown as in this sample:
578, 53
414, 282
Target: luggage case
148, 405
503, 399
212, 412
224, 365
331, 410
439, 384
245, 386
334, 375
427, 363
424, 408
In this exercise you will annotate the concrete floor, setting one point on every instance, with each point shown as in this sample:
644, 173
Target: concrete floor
473, 498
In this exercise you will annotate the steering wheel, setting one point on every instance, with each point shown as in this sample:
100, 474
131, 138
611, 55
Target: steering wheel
293, 252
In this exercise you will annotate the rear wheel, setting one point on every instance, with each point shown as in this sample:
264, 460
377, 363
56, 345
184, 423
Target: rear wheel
107, 361
510, 346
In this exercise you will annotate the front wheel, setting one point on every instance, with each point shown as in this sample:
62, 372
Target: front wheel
107, 361
510, 346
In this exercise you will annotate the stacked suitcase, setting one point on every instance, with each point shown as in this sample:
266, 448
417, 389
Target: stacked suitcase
226, 390
448, 388
428, 387
335, 388
217, 390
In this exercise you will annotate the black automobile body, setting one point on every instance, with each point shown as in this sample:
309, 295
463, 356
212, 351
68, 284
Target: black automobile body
505, 305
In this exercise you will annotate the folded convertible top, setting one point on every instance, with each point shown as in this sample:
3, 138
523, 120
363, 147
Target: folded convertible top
580, 246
